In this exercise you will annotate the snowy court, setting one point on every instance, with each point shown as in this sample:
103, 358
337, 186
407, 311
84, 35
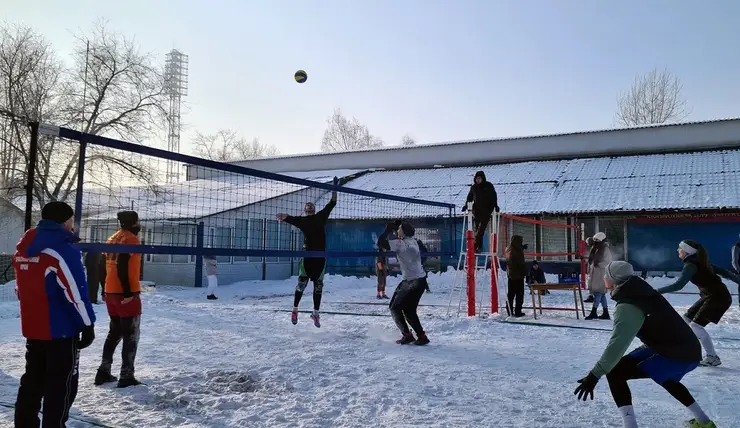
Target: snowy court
239, 362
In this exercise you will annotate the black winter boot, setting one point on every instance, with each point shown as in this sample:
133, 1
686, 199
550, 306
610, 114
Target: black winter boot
589, 299
605, 315
592, 315
103, 376
406, 338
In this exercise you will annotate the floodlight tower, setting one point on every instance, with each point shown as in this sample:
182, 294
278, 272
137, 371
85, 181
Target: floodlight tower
176, 87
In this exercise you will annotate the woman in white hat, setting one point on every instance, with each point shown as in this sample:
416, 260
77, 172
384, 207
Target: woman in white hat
598, 258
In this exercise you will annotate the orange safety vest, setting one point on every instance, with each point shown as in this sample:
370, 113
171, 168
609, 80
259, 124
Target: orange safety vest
112, 282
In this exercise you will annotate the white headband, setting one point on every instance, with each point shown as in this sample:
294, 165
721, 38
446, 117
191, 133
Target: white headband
688, 249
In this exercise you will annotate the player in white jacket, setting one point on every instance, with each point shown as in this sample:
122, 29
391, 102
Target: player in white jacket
406, 298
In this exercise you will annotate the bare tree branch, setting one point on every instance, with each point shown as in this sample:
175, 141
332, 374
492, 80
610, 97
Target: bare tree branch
227, 146
344, 134
653, 99
407, 140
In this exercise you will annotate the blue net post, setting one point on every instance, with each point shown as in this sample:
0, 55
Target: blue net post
78, 191
199, 244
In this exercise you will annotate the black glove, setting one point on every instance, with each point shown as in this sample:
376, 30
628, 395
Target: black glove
497, 208
397, 224
465, 207
586, 387
88, 335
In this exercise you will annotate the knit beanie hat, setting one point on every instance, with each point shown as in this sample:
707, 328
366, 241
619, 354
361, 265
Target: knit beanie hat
599, 236
619, 272
57, 211
128, 218
408, 229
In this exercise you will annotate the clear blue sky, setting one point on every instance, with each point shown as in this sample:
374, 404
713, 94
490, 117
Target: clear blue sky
439, 70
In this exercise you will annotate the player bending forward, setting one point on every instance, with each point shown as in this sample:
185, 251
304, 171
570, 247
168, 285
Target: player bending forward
313, 226
406, 298
670, 348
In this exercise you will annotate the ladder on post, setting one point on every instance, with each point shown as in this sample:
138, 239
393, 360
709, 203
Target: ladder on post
474, 272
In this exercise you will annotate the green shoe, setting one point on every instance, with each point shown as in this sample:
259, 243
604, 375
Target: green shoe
696, 424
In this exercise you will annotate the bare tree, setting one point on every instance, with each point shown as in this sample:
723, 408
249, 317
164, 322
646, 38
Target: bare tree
111, 89
407, 140
343, 134
227, 146
654, 98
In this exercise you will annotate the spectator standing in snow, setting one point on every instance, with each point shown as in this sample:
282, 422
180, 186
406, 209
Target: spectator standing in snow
95, 271
714, 298
381, 266
55, 309
211, 276
670, 349
598, 258
406, 298
123, 302
516, 270
483, 196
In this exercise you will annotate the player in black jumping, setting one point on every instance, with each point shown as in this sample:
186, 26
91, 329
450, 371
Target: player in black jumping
313, 226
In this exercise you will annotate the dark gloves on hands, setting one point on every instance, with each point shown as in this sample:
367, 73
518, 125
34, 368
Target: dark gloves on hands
497, 208
88, 335
586, 387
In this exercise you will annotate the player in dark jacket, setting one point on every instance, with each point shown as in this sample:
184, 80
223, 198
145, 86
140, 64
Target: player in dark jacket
55, 311
313, 226
483, 196
95, 270
670, 349
715, 299
516, 270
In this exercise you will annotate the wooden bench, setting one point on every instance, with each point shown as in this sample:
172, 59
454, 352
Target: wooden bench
539, 288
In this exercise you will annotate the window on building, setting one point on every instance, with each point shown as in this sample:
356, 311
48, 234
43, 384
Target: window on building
256, 237
554, 239
222, 239
161, 235
241, 238
286, 240
183, 236
613, 227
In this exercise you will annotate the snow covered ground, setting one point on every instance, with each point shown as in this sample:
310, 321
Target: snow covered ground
239, 362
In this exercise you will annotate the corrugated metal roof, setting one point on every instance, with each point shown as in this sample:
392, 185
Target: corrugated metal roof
526, 137
692, 181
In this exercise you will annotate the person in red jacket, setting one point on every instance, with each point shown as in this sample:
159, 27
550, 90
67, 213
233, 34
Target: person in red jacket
55, 310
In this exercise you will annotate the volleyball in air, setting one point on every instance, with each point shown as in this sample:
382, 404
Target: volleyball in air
301, 76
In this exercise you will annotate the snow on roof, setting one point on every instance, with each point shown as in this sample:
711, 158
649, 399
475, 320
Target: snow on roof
196, 198
690, 181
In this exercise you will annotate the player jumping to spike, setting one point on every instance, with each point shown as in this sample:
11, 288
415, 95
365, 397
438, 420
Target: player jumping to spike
715, 299
670, 349
313, 226
406, 298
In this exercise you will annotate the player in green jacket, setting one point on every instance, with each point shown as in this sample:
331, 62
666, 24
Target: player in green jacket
670, 348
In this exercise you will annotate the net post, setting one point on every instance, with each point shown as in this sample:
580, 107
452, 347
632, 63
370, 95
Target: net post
493, 248
30, 179
470, 261
80, 181
582, 250
199, 243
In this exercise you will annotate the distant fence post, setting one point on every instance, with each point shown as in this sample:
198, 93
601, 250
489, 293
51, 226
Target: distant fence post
30, 176
199, 244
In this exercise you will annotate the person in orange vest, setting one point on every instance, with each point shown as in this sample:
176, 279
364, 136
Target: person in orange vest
122, 290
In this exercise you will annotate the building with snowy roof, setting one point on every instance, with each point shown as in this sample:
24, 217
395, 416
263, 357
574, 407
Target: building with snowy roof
645, 187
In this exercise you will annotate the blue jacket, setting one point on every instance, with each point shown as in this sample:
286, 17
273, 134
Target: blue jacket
51, 283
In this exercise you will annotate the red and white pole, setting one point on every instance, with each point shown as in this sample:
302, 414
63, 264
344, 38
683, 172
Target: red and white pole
470, 262
493, 247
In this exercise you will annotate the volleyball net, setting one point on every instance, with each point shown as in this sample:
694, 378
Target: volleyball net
190, 207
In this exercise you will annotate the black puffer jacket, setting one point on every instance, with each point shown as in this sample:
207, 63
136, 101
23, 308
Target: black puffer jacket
483, 196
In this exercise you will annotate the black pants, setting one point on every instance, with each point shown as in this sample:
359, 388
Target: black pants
52, 375
480, 224
404, 302
515, 295
126, 329
626, 369
310, 268
93, 286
